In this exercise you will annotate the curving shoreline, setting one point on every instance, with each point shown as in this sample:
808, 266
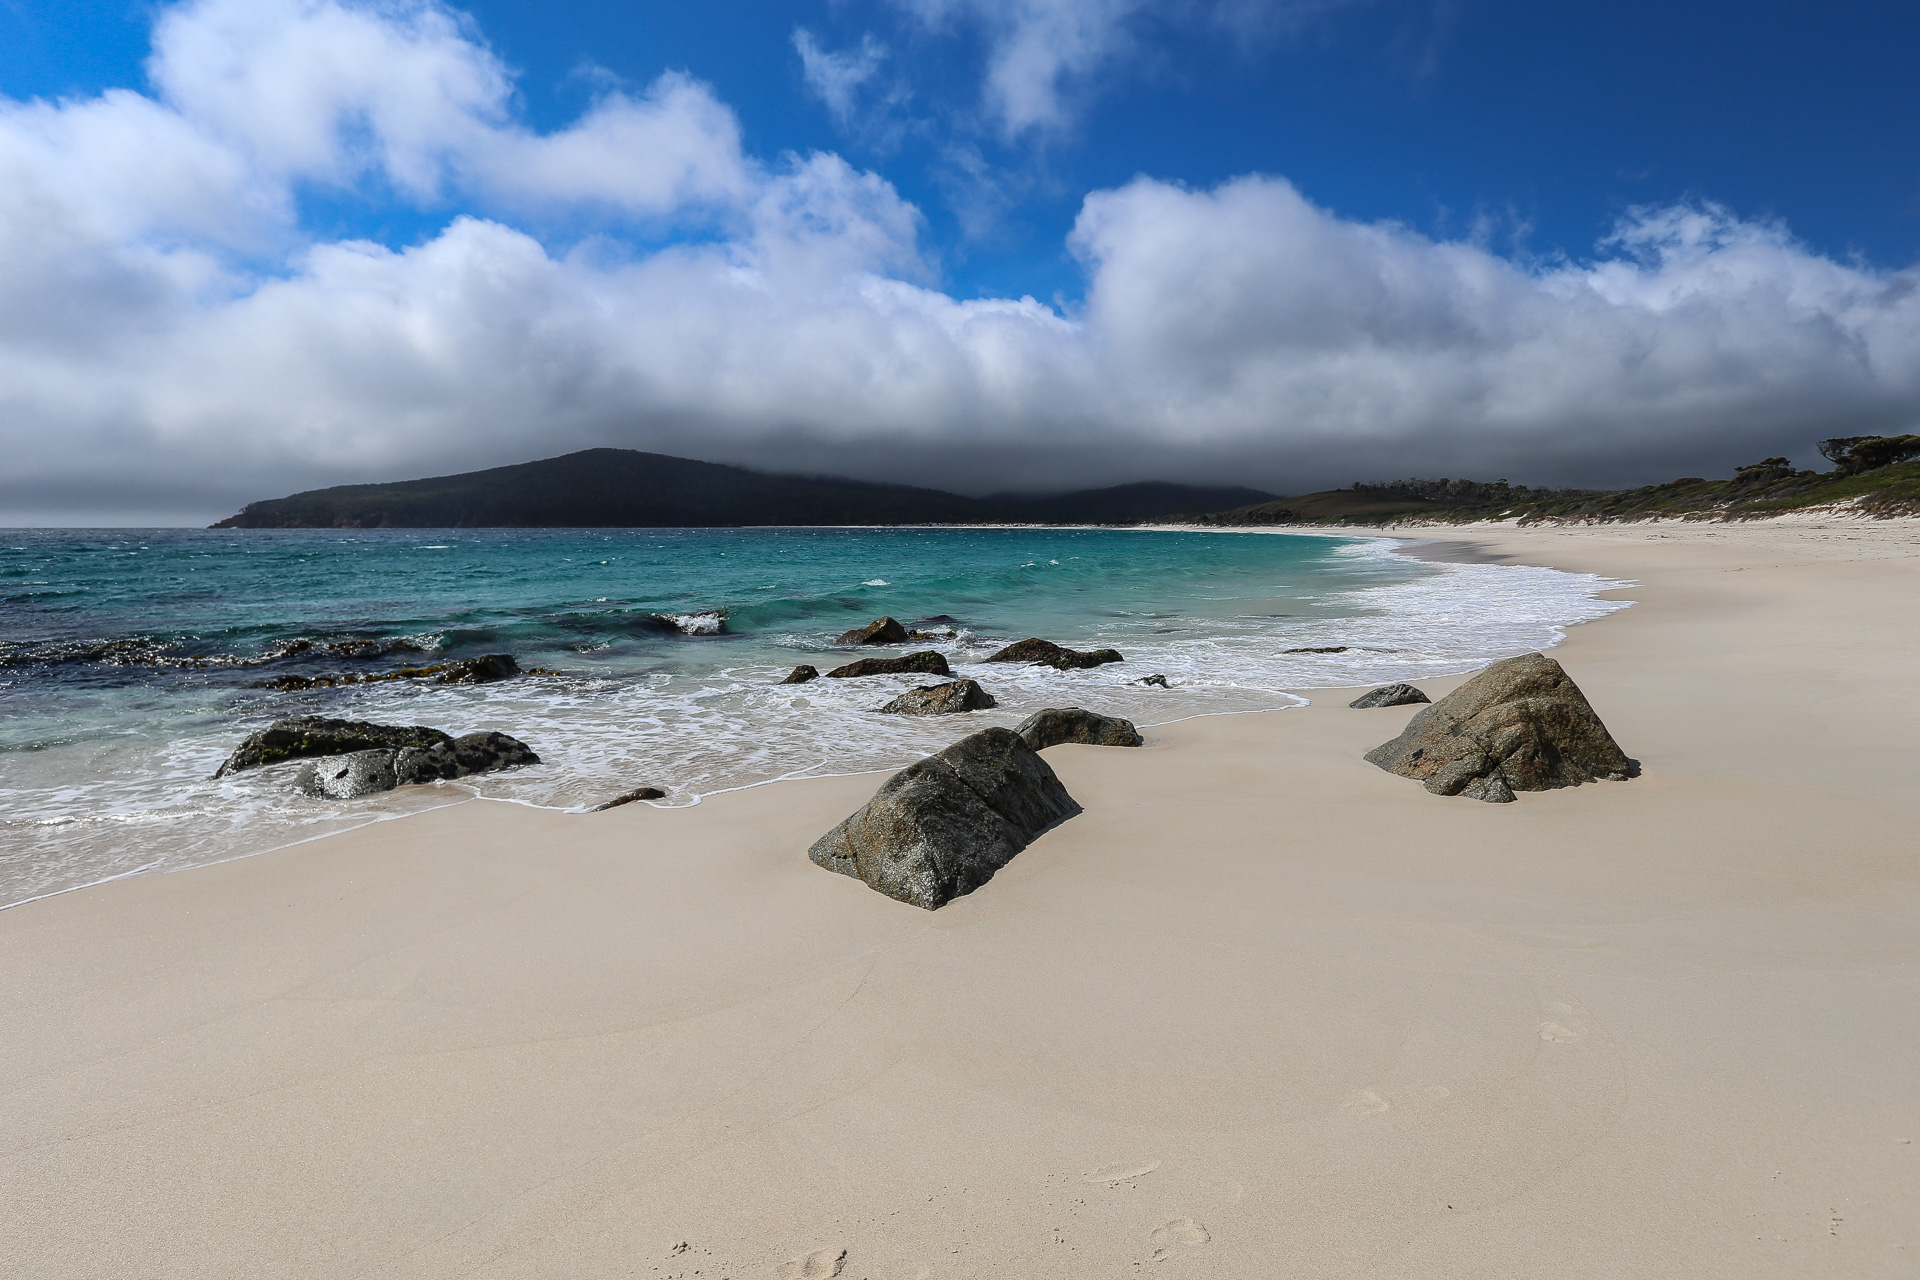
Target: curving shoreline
1258, 987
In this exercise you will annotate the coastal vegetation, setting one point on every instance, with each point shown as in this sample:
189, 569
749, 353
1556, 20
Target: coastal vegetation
1871, 476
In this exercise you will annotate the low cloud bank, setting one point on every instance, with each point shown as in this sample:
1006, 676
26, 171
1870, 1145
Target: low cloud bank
172, 340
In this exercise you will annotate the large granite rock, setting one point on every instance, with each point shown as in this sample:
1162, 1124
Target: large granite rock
1520, 725
347, 777
1390, 695
941, 700
1035, 651
926, 663
879, 631
301, 737
1055, 725
940, 828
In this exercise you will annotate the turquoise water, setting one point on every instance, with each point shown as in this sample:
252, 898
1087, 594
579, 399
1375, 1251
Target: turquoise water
131, 662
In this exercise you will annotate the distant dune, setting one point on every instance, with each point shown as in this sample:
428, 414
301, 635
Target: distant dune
624, 488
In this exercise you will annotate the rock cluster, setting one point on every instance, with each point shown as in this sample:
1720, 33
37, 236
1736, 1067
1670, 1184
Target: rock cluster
879, 631
940, 700
1390, 695
928, 662
350, 758
1035, 651
1055, 725
941, 827
1520, 725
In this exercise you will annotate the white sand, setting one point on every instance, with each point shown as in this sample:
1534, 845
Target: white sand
1262, 1011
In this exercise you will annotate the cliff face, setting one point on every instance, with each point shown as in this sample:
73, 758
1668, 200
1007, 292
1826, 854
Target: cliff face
624, 488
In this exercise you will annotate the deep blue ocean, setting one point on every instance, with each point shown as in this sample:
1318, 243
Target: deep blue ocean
132, 661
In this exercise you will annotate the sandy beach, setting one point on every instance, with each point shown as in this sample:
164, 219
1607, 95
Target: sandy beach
1262, 1010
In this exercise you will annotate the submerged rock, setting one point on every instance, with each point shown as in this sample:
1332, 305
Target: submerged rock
1055, 725
629, 797
1035, 651
801, 674
926, 663
1154, 680
1331, 648
704, 622
347, 777
485, 669
300, 737
879, 631
940, 700
1390, 695
941, 827
1520, 725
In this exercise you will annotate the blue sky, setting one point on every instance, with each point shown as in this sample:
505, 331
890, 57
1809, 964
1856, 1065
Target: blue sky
1297, 243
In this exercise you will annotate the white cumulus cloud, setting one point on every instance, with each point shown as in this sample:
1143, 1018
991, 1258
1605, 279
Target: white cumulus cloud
173, 342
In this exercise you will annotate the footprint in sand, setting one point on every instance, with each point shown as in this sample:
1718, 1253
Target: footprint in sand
1125, 1171
821, 1264
1365, 1103
1559, 1026
1173, 1237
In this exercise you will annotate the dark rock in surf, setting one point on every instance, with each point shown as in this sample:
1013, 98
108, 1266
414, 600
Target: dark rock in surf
1154, 680
1520, 725
1034, 651
703, 622
879, 631
1390, 695
629, 797
1055, 725
801, 674
1332, 648
941, 827
485, 669
926, 663
940, 700
347, 777
300, 737
469, 753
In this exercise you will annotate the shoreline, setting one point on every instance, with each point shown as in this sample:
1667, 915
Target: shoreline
91, 828
1261, 1007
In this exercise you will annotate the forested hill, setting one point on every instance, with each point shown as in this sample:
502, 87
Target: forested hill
1871, 476
624, 488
